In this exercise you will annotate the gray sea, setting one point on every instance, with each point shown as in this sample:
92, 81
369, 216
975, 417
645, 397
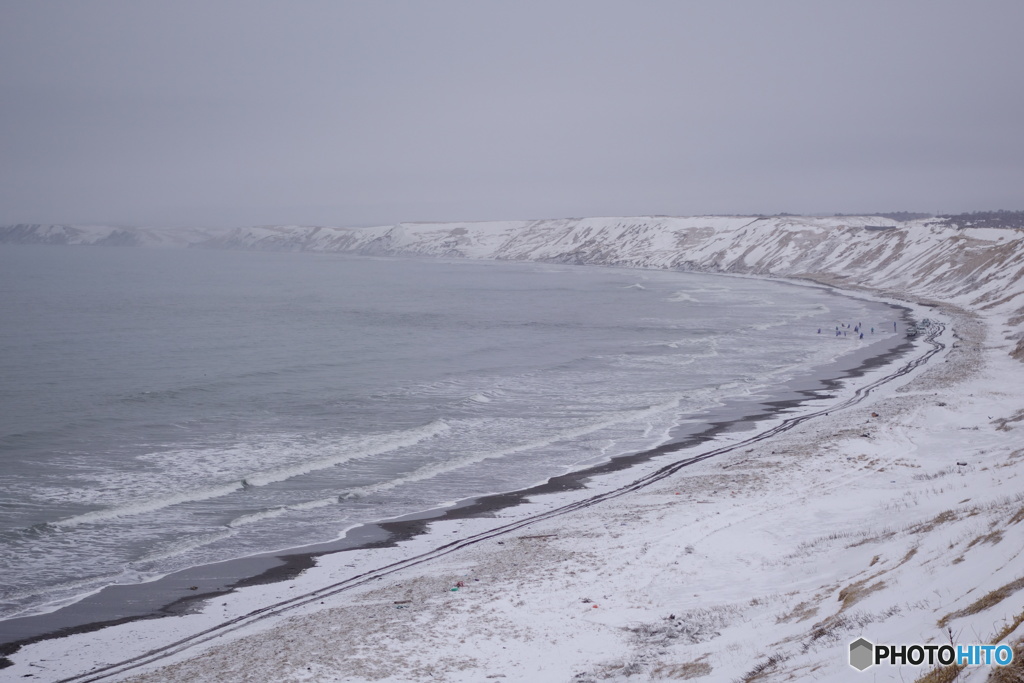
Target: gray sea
161, 409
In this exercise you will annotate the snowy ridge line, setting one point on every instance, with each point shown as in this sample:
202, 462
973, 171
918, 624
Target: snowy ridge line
974, 268
281, 607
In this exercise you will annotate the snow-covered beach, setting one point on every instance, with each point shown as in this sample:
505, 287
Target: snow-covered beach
892, 513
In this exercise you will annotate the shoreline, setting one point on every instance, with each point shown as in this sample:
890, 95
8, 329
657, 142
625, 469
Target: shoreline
811, 388
174, 595
806, 545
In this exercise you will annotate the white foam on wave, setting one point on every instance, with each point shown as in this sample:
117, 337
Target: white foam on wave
371, 446
255, 517
785, 318
367, 447
682, 297
151, 505
270, 513
53, 598
705, 347
691, 351
713, 290
436, 469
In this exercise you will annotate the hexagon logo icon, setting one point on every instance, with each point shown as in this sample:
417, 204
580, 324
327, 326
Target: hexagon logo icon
861, 654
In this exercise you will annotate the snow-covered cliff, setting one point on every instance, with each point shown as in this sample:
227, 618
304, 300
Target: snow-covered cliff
981, 269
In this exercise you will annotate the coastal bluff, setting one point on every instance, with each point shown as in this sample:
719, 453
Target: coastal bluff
975, 265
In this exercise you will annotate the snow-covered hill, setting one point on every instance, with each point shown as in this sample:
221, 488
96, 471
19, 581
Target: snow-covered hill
895, 519
980, 269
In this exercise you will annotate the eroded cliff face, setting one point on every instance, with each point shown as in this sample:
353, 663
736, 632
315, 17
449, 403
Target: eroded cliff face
981, 269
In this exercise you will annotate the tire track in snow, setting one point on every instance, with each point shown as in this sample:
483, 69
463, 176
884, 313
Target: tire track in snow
279, 608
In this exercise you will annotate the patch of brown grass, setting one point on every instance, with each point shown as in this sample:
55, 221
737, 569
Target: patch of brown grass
942, 674
941, 518
906, 558
1012, 672
1018, 516
992, 538
685, 671
1002, 422
799, 613
763, 669
856, 592
1009, 628
1012, 458
885, 536
983, 603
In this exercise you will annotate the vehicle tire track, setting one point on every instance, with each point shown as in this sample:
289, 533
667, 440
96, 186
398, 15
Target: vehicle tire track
279, 608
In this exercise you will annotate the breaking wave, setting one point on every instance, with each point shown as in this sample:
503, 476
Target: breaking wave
370, 446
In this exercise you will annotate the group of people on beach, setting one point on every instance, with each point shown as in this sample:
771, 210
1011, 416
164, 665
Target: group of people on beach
857, 329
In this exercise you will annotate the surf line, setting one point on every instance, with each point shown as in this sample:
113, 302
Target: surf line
279, 608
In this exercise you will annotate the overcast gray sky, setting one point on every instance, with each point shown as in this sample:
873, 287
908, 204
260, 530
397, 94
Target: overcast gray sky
363, 113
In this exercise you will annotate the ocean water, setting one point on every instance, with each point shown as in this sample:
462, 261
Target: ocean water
161, 409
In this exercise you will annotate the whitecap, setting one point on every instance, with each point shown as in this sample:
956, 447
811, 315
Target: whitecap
367, 447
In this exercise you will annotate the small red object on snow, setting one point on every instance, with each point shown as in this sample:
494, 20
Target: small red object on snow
594, 606
461, 584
